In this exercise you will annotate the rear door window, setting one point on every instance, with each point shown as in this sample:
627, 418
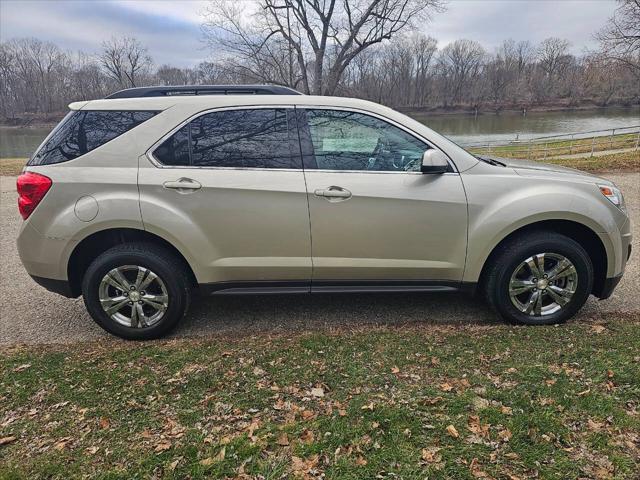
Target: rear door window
247, 138
85, 130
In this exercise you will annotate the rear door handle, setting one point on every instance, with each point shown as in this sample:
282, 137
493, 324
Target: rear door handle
183, 185
333, 192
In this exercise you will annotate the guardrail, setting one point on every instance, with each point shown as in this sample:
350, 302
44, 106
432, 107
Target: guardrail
588, 142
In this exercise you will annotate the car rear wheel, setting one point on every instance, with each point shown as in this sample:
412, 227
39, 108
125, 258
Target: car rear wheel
539, 278
136, 291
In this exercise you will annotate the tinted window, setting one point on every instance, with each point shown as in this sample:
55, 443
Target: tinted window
83, 131
175, 149
257, 138
353, 141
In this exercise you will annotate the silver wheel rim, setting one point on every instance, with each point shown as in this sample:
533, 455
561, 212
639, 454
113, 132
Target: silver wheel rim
543, 284
133, 296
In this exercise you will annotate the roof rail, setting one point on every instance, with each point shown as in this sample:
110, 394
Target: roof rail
203, 90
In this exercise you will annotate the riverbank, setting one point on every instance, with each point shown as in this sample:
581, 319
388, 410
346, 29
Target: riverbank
51, 119
466, 110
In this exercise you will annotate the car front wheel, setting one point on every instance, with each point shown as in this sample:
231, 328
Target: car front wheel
539, 278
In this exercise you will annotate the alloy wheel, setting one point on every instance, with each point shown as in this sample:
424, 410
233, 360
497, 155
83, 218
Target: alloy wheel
133, 296
543, 284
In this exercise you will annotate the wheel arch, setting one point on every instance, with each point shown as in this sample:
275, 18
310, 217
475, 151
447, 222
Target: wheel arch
98, 242
585, 236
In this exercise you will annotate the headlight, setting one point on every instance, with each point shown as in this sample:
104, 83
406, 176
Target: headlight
614, 195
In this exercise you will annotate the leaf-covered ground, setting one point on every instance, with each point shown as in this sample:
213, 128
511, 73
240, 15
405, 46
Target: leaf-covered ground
413, 402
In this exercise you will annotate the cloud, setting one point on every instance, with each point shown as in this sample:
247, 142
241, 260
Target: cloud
492, 21
75, 25
171, 29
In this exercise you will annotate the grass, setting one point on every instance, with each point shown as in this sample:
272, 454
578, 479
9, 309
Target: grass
11, 166
561, 147
627, 162
416, 402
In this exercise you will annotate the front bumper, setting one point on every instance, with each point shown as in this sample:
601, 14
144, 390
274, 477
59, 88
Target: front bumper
609, 286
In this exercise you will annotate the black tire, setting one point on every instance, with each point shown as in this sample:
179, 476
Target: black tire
159, 260
517, 250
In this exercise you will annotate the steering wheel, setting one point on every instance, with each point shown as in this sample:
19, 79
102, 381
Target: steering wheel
411, 163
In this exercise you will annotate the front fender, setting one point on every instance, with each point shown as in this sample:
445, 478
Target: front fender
500, 206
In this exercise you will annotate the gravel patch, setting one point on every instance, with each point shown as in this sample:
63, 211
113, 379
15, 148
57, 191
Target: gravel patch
29, 314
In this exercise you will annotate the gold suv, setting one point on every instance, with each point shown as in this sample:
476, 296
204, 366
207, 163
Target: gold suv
138, 200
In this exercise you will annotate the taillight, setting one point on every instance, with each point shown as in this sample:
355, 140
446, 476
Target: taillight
32, 187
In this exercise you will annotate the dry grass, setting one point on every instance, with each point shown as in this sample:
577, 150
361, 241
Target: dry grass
11, 166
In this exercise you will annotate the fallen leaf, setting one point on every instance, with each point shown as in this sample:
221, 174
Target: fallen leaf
342, 413
7, 440
104, 423
395, 370
174, 464
307, 436
22, 367
598, 329
361, 461
475, 426
475, 469
317, 392
162, 446
446, 387
431, 455
369, 406
583, 393
506, 410
283, 440
451, 430
92, 450
307, 414
62, 443
505, 435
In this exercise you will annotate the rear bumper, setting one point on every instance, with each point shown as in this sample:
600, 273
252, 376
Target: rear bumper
61, 287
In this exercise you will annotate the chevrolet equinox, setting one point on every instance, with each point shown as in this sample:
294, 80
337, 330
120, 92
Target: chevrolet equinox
138, 200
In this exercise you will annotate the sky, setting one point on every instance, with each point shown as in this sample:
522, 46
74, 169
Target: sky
171, 28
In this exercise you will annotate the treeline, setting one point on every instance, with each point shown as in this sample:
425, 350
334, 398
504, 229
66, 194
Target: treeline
37, 78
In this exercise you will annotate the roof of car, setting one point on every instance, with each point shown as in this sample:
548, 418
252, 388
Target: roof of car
182, 90
215, 101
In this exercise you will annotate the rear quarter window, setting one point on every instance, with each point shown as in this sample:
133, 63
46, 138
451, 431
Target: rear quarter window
85, 130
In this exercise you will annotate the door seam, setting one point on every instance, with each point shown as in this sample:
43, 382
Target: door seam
306, 188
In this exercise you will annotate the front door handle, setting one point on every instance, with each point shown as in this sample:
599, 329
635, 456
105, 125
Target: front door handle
333, 193
183, 185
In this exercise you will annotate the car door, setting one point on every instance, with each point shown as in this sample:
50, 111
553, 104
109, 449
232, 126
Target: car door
375, 218
227, 189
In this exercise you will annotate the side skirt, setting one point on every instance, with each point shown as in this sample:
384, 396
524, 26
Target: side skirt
276, 287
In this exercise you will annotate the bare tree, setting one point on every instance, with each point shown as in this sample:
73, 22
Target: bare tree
552, 54
460, 65
620, 38
125, 60
38, 79
308, 43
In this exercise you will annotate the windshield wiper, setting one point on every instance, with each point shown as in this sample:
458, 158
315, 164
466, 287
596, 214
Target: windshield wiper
491, 161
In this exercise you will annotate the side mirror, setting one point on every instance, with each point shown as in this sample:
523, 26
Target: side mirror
434, 161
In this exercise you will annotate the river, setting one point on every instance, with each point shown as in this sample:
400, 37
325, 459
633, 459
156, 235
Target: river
463, 129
